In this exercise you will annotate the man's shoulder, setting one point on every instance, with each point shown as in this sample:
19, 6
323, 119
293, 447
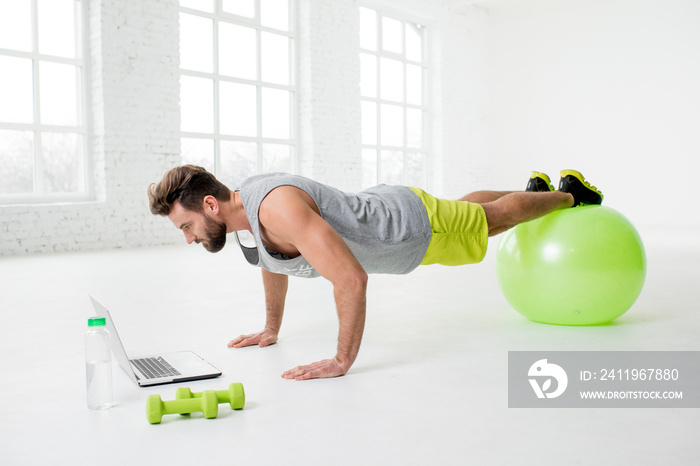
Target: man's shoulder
286, 209
286, 199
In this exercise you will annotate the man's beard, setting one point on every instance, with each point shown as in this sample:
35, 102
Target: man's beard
216, 235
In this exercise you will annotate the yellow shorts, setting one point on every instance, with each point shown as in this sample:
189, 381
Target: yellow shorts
460, 232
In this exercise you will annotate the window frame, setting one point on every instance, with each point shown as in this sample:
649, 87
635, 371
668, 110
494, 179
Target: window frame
82, 128
425, 107
216, 136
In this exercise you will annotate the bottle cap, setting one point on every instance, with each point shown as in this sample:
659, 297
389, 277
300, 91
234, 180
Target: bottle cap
96, 321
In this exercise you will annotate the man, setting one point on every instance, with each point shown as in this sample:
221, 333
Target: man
308, 229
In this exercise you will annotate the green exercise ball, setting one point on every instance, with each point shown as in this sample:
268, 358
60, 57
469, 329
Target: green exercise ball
580, 266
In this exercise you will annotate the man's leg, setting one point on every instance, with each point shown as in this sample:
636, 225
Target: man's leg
513, 208
505, 209
481, 197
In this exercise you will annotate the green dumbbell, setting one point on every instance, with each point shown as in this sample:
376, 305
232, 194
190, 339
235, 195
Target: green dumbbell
235, 396
207, 404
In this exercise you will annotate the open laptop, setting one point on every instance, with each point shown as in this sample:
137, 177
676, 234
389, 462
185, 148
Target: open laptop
181, 366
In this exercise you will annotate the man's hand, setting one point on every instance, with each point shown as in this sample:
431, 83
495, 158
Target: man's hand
265, 338
318, 370
275, 294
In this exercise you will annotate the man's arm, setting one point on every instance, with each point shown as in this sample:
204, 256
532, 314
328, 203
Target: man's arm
288, 219
275, 294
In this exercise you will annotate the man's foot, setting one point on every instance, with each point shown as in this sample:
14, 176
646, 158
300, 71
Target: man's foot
539, 183
572, 182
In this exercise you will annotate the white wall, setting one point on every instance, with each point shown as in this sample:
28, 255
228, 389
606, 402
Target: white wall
329, 92
136, 115
609, 87
135, 122
460, 98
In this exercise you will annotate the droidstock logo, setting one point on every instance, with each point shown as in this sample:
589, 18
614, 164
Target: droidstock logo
542, 373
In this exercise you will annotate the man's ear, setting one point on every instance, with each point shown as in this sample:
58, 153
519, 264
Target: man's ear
210, 204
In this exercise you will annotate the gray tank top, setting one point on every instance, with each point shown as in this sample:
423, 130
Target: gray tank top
385, 227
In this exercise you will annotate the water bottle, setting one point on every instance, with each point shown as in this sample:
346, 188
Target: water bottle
98, 364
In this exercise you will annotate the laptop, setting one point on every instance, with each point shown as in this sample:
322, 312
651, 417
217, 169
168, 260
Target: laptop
180, 366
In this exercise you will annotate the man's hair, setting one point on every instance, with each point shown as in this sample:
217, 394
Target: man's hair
188, 185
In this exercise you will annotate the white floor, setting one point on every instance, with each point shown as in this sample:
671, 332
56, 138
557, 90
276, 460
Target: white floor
429, 387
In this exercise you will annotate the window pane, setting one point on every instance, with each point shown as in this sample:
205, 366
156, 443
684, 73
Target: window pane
238, 50
238, 7
196, 43
369, 168
414, 42
277, 158
238, 109
196, 104
252, 61
16, 25
275, 14
16, 93
416, 172
414, 84
58, 89
392, 167
16, 162
202, 5
62, 159
368, 75
369, 123
392, 35
275, 113
239, 160
414, 127
198, 152
391, 80
275, 58
391, 125
56, 26
368, 29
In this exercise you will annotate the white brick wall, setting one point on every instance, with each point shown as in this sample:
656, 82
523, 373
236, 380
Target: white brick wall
135, 116
329, 84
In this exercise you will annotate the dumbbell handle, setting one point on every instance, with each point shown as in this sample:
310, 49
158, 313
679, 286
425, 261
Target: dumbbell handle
184, 406
235, 395
222, 395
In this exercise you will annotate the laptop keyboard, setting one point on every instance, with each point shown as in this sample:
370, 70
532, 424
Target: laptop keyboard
154, 368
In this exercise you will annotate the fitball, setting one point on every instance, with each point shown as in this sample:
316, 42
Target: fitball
579, 266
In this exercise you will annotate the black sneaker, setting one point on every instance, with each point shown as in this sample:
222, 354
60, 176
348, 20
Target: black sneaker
584, 194
539, 183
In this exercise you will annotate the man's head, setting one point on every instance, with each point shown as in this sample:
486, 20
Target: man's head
188, 185
189, 196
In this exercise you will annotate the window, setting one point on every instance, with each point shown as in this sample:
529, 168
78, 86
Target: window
42, 130
237, 88
394, 108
